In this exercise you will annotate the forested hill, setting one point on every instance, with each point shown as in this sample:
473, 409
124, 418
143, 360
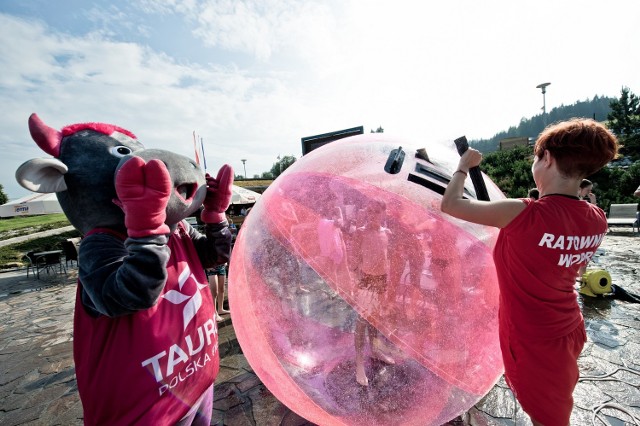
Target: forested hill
597, 108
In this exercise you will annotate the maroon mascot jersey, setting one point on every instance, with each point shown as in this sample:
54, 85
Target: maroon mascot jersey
127, 377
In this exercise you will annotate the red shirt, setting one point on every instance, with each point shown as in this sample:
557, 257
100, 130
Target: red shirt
537, 257
149, 368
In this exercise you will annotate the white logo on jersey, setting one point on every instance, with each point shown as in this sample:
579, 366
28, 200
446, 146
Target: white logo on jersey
193, 302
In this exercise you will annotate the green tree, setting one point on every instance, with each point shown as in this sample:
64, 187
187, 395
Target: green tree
281, 165
624, 121
597, 108
3, 196
510, 170
378, 130
615, 185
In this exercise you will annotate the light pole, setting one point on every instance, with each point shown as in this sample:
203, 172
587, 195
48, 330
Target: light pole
543, 87
245, 167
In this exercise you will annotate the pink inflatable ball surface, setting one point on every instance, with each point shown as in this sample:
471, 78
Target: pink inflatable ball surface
319, 255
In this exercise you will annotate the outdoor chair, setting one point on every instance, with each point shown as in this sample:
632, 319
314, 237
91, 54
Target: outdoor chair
50, 261
70, 251
31, 263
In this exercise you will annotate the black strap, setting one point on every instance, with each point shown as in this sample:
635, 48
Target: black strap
476, 175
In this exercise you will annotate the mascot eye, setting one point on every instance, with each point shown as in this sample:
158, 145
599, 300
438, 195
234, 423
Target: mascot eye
120, 151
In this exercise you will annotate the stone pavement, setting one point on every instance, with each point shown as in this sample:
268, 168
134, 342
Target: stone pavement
37, 376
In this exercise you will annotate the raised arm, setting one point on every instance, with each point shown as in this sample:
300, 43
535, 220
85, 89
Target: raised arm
214, 248
120, 276
491, 213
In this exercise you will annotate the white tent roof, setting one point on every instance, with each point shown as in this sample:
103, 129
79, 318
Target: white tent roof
33, 203
242, 195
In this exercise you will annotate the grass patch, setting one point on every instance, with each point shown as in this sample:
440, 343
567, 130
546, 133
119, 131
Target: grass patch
25, 225
13, 255
253, 183
18, 222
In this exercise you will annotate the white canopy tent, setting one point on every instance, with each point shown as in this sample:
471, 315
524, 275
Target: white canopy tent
242, 195
32, 204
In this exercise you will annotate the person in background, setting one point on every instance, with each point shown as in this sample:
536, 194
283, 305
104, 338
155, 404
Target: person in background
541, 327
586, 191
534, 193
232, 227
217, 277
637, 192
372, 269
586, 194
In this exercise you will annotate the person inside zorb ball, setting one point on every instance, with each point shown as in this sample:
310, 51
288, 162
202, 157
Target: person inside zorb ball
355, 300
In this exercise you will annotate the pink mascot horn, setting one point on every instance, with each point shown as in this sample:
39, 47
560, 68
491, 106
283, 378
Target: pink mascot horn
47, 138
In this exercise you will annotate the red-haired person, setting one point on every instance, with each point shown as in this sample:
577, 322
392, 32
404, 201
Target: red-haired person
540, 247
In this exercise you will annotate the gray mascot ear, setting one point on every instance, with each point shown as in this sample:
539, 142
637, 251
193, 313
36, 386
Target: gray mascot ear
42, 175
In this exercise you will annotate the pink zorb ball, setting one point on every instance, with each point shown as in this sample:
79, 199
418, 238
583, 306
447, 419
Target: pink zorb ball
356, 300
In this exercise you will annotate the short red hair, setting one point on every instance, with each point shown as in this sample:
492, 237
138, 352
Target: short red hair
580, 146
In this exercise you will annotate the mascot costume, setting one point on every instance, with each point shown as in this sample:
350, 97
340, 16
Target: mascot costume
145, 337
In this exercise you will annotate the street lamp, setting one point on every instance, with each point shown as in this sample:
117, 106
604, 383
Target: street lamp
245, 167
543, 87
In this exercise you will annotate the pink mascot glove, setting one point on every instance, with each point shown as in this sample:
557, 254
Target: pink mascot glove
218, 195
143, 194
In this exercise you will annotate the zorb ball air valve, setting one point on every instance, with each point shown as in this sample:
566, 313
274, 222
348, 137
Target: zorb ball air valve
355, 300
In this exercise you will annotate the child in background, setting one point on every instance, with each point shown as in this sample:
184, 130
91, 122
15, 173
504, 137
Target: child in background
540, 248
217, 277
372, 260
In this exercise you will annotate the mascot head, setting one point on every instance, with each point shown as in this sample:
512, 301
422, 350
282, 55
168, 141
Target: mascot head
82, 172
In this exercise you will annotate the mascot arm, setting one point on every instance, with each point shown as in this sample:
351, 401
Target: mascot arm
122, 277
214, 247
219, 193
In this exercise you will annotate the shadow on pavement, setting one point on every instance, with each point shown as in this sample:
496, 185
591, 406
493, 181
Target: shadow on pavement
16, 282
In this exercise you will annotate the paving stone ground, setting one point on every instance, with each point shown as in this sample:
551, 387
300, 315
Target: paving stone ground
37, 376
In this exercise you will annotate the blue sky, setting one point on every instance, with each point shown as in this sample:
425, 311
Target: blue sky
253, 77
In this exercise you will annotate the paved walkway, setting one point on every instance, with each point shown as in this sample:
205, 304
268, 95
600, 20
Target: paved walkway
37, 376
41, 234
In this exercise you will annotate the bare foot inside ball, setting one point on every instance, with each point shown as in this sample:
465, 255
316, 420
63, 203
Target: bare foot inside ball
361, 377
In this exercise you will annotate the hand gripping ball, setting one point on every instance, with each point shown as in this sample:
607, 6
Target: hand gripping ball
355, 300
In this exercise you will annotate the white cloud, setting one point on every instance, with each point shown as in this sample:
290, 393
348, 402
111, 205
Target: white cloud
258, 28
73, 79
